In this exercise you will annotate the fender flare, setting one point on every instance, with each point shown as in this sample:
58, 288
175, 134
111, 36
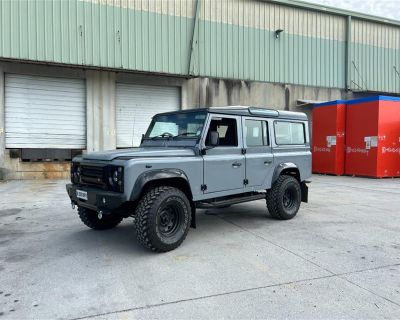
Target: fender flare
156, 174
281, 167
291, 165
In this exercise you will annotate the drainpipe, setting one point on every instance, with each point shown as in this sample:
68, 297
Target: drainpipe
348, 54
195, 40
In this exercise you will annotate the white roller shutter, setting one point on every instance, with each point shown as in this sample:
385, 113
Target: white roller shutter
44, 112
136, 105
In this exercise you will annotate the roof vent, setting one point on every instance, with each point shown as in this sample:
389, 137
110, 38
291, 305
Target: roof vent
264, 112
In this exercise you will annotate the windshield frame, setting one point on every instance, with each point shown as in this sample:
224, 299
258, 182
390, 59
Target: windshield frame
178, 136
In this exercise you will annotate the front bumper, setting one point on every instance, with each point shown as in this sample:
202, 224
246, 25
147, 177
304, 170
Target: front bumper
96, 197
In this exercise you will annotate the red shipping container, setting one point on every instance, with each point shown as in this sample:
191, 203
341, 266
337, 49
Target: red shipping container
328, 137
373, 137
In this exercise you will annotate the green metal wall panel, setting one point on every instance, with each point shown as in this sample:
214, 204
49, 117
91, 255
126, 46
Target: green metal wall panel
233, 39
374, 68
96, 33
375, 57
254, 54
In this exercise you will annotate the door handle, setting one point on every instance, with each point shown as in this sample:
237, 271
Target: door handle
267, 162
236, 164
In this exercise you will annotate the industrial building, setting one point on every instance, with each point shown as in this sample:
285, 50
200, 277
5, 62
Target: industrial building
87, 75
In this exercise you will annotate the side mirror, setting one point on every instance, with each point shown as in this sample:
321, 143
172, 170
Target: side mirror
213, 138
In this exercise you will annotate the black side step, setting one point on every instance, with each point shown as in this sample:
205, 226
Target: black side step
227, 202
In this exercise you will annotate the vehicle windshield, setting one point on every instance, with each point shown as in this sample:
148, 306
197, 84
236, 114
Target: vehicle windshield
176, 125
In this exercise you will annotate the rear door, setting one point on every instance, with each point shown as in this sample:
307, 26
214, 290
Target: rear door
259, 157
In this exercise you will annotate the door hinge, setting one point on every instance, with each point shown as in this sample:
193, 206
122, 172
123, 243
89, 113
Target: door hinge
243, 151
203, 187
245, 182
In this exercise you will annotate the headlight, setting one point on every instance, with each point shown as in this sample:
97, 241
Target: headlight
115, 178
75, 173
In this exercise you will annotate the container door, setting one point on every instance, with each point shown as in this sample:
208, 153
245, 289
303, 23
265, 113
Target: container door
328, 140
362, 138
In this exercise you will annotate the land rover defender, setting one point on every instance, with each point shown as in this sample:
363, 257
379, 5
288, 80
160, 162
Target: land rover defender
200, 158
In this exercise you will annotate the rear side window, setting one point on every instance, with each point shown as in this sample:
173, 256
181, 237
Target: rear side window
288, 133
256, 133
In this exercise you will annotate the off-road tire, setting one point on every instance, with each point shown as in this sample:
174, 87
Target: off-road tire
278, 206
90, 219
150, 221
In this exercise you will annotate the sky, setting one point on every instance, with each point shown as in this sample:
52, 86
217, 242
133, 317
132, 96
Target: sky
383, 8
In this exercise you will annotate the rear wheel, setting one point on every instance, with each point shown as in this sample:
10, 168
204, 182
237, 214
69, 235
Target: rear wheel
162, 218
90, 219
284, 198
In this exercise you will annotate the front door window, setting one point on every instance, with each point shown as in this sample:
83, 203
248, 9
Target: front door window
227, 131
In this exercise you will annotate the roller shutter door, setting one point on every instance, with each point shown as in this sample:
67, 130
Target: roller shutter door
136, 105
45, 112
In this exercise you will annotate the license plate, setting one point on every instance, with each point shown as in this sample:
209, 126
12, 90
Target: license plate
81, 194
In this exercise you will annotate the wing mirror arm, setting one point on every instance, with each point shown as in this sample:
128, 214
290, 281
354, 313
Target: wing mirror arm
212, 141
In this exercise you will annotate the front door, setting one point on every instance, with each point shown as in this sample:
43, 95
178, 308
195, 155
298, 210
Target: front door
224, 165
259, 157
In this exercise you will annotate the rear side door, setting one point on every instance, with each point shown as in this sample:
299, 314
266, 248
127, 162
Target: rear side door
224, 165
258, 151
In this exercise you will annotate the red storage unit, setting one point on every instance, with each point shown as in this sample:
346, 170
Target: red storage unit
373, 137
328, 137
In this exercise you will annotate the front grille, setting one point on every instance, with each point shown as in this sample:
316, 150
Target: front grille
93, 176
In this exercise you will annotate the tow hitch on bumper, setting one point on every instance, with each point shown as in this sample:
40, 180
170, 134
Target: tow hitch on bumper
101, 201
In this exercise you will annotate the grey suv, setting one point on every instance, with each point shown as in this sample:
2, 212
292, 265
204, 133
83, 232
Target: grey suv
201, 158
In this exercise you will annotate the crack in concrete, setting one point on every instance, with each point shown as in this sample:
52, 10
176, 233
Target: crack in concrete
339, 275
368, 290
331, 275
276, 245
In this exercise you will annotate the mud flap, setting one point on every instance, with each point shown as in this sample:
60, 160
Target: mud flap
193, 213
304, 192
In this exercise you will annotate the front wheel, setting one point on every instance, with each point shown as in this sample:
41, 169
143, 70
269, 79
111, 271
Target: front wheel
284, 198
162, 218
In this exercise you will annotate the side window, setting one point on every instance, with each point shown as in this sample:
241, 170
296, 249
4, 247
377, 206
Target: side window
256, 132
227, 130
289, 133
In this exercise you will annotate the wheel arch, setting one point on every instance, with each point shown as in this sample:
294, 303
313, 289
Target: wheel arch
164, 177
291, 169
287, 168
169, 177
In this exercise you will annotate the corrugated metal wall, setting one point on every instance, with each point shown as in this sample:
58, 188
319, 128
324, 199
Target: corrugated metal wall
233, 39
375, 57
237, 40
136, 35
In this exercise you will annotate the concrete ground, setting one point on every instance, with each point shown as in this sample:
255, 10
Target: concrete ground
339, 258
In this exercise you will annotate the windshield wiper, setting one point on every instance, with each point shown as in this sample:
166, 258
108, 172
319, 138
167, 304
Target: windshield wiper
184, 134
163, 135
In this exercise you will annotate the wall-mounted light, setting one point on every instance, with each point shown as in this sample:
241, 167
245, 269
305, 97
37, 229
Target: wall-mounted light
278, 33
